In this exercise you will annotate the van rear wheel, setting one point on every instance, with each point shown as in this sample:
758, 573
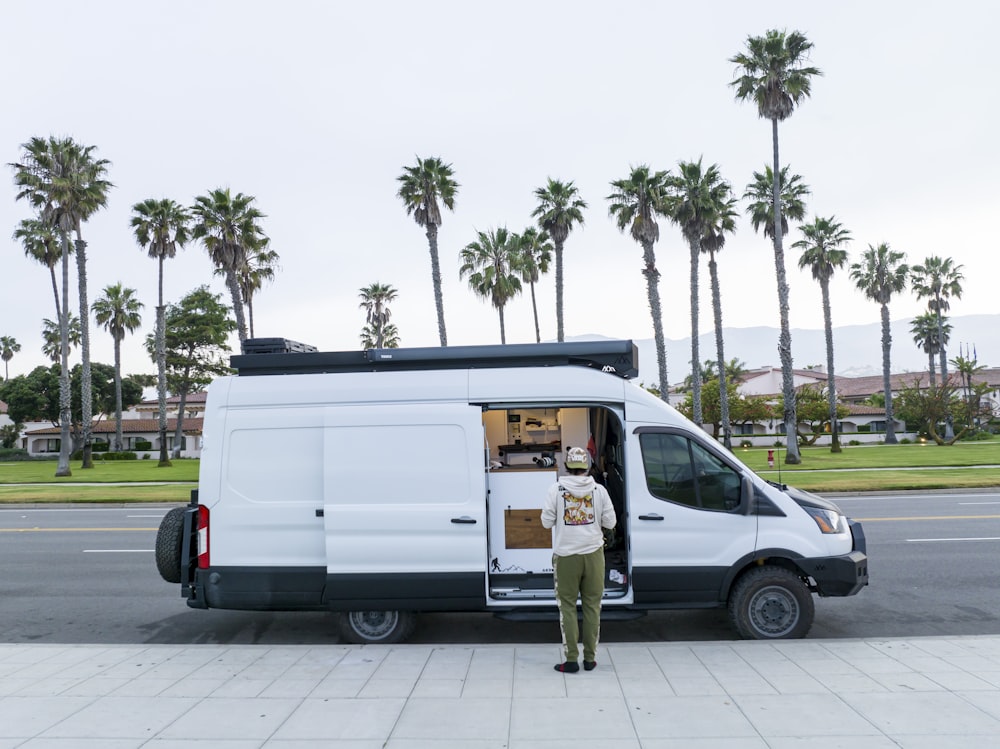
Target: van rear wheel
367, 627
771, 603
168, 545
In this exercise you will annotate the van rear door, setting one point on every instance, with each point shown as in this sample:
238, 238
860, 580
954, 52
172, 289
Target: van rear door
404, 507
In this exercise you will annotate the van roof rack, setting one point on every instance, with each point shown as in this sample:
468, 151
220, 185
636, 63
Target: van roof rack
618, 357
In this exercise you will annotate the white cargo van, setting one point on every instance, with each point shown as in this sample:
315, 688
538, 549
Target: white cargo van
383, 483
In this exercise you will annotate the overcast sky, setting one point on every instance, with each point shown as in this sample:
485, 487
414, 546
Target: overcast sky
315, 107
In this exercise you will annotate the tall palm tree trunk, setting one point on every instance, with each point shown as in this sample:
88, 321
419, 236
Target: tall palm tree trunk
65, 411
560, 335
949, 427
234, 292
432, 241
890, 427
55, 292
695, 354
118, 395
653, 291
179, 432
86, 389
727, 429
792, 455
161, 371
534, 309
831, 381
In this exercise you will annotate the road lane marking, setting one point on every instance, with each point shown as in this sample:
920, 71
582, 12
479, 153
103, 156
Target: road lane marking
935, 540
930, 517
70, 530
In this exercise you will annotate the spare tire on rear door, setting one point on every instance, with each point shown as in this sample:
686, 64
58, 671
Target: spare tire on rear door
168, 545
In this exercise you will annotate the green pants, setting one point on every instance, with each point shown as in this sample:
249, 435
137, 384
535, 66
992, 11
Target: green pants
583, 575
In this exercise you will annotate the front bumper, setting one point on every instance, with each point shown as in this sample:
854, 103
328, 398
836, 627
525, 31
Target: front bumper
844, 575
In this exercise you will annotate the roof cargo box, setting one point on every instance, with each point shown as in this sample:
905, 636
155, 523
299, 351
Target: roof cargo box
275, 346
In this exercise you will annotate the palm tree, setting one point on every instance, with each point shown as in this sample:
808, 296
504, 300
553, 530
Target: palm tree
421, 187
925, 334
880, 274
66, 184
491, 266
375, 300
938, 280
8, 347
559, 208
229, 227
41, 243
52, 337
161, 226
760, 200
691, 200
721, 221
118, 312
821, 253
634, 204
534, 256
389, 334
773, 76
260, 267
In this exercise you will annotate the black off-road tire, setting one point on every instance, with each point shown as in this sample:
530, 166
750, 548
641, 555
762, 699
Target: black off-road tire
771, 603
169, 538
376, 627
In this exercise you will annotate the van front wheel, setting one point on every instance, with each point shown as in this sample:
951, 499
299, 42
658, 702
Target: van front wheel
368, 627
771, 603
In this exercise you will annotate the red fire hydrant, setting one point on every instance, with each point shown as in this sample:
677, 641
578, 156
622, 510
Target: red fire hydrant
770, 458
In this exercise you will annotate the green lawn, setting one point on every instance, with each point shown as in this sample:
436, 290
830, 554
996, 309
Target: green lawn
112, 471
879, 456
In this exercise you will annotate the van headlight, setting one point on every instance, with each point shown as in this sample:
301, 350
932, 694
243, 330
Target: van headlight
827, 520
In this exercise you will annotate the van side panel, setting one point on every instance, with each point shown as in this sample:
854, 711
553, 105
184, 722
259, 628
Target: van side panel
404, 506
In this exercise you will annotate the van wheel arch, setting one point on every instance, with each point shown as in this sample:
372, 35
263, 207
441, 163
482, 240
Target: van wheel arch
771, 602
376, 627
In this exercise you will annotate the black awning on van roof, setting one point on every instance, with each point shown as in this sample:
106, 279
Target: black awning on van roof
619, 357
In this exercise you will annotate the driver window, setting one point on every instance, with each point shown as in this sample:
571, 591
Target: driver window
680, 470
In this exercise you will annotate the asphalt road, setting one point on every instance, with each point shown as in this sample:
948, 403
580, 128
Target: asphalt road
87, 575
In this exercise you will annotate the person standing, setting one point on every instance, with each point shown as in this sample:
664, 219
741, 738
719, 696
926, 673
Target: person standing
577, 509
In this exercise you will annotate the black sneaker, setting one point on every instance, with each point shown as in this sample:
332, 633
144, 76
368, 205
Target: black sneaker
589, 665
569, 667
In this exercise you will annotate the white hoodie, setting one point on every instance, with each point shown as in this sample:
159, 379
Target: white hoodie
576, 510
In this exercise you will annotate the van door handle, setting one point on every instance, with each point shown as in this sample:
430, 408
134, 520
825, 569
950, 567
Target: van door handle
465, 519
651, 517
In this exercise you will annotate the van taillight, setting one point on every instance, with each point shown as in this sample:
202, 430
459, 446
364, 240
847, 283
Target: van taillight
203, 559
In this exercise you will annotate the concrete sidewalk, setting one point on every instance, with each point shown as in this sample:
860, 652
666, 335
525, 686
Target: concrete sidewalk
863, 694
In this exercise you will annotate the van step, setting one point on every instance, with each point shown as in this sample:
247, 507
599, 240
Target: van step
550, 615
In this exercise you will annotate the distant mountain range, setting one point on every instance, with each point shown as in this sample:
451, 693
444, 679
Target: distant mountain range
857, 348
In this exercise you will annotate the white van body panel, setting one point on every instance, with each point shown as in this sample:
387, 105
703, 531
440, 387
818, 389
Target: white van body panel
404, 488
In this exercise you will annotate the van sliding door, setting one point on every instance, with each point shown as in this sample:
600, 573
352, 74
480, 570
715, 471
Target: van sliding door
404, 507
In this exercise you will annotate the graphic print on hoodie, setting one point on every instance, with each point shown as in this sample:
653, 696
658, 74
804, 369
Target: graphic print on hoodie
577, 510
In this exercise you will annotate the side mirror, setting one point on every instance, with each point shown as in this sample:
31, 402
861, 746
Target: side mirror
747, 503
